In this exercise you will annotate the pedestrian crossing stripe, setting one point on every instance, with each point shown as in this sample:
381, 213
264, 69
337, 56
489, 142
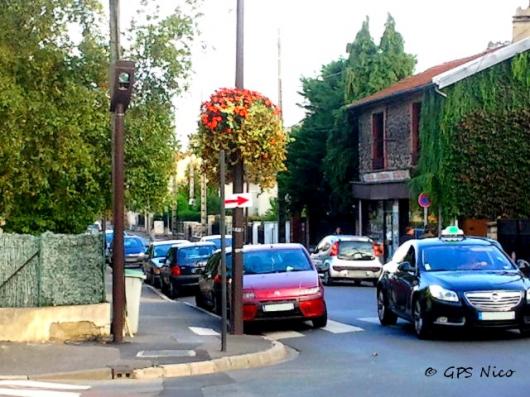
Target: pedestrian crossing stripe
333, 327
28, 388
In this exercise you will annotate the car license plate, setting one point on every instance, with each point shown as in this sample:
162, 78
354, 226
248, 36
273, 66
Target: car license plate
278, 307
496, 315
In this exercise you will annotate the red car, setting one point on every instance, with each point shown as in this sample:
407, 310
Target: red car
279, 282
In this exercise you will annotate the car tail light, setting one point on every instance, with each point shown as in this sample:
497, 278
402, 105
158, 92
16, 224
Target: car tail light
175, 270
249, 312
334, 249
218, 279
313, 308
378, 249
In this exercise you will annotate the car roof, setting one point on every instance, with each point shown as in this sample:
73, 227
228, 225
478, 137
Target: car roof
349, 237
266, 247
214, 236
166, 242
195, 244
438, 241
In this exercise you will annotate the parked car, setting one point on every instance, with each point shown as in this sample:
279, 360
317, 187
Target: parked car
182, 266
454, 281
345, 257
134, 252
216, 239
109, 235
279, 282
155, 258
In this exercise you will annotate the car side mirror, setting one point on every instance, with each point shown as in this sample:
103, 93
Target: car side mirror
522, 264
405, 267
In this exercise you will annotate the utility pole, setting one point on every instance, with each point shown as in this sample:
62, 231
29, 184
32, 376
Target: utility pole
118, 278
236, 311
281, 193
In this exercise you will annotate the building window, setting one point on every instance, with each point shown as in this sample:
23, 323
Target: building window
415, 131
378, 141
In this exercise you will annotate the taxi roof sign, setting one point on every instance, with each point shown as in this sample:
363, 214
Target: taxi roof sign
452, 233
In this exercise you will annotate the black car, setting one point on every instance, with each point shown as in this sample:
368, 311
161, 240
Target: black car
454, 281
183, 265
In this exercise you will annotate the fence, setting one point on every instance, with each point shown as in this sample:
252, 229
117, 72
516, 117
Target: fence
51, 270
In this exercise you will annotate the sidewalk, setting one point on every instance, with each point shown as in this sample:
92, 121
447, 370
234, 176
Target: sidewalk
164, 346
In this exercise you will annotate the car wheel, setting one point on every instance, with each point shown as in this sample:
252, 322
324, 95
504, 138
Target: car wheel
421, 324
217, 309
357, 282
320, 322
385, 314
156, 282
525, 332
173, 291
326, 279
149, 278
199, 301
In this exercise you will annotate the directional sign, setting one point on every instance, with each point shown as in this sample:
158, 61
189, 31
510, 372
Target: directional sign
238, 200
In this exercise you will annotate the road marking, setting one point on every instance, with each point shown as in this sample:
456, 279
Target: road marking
339, 328
373, 320
282, 335
203, 331
201, 309
28, 388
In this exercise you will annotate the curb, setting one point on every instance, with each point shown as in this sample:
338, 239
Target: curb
277, 353
274, 355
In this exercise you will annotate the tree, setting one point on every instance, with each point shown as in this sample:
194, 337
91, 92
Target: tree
162, 51
55, 152
54, 118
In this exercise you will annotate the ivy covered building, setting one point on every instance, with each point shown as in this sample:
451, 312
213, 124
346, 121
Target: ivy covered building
459, 131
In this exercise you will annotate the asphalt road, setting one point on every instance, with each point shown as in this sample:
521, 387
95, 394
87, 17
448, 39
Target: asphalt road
355, 356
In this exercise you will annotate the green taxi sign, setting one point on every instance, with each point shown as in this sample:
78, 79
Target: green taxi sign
452, 233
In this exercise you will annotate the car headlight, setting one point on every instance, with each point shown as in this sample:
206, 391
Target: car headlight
248, 295
443, 294
310, 291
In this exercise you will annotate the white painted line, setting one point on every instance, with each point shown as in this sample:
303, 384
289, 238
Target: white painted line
203, 331
373, 320
339, 328
202, 310
282, 335
46, 385
160, 294
36, 393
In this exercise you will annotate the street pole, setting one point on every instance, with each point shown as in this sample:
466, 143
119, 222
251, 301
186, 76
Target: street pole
223, 250
236, 310
281, 194
118, 278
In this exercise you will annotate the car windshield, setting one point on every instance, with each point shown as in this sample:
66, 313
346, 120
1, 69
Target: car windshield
356, 250
161, 250
273, 261
192, 255
464, 257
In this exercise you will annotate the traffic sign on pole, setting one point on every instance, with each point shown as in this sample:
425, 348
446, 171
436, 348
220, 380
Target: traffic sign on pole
238, 200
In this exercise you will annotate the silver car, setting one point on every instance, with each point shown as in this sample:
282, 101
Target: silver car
346, 257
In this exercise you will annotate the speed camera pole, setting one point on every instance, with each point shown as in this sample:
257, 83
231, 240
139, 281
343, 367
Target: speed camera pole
122, 81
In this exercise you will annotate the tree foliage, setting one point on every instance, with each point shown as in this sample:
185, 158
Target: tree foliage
55, 159
322, 160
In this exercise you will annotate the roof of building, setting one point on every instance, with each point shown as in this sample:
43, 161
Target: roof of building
415, 82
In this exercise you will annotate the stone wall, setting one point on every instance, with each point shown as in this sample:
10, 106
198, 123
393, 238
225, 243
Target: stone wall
397, 121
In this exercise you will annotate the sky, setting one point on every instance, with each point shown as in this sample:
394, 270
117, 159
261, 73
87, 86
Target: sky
316, 32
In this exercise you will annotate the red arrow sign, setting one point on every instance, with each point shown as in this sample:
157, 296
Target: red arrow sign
238, 200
